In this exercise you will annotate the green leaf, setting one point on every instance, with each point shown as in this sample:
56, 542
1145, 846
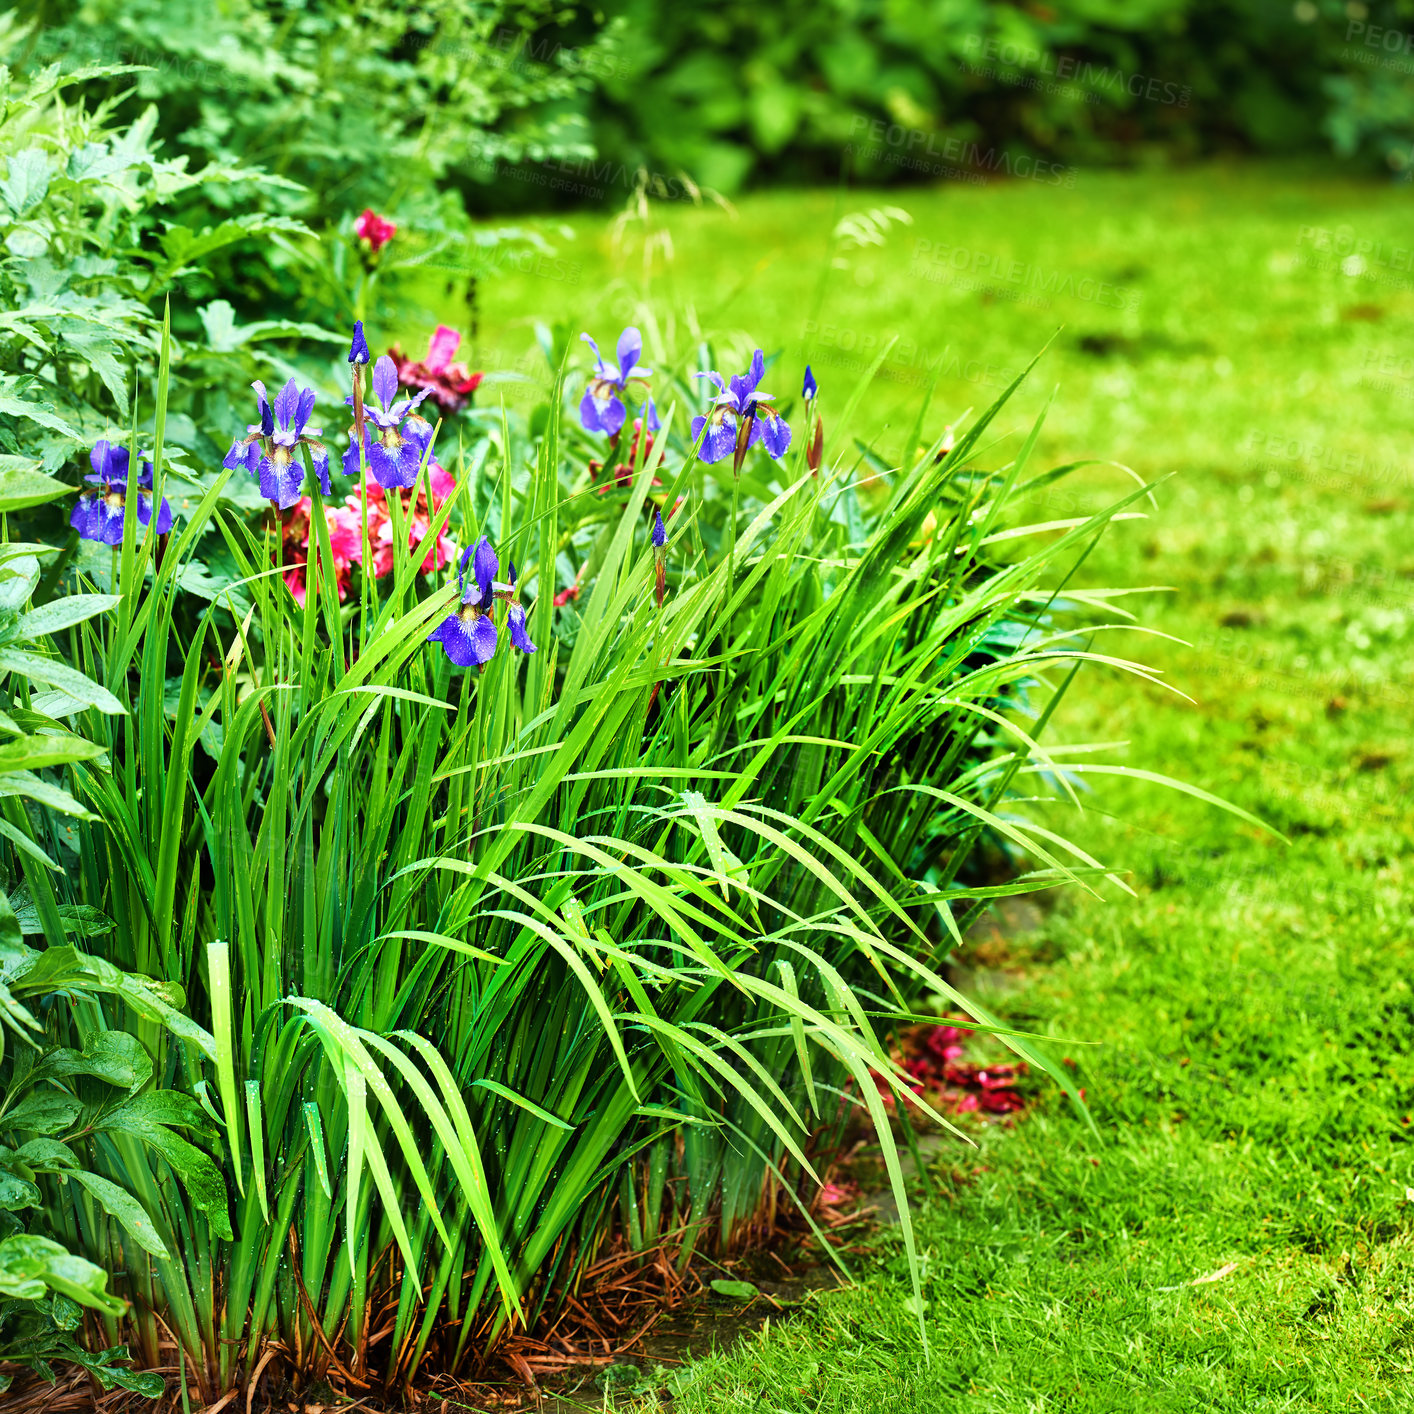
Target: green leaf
116, 1057
66, 969
47, 1154
34, 753
41, 413
737, 1290
506, 1093
49, 1112
34, 787
31, 1265
147, 1118
17, 1193
18, 576
183, 247
119, 1204
27, 181
81, 919
64, 613
54, 673
20, 488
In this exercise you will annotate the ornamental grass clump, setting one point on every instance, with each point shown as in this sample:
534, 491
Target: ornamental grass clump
474, 946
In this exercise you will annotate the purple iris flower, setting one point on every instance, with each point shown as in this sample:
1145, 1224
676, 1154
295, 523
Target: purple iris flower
358, 347
660, 531
271, 447
739, 405
98, 515
394, 452
602, 408
808, 388
650, 416
468, 635
515, 616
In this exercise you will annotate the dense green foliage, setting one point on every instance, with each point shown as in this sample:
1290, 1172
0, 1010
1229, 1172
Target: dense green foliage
424, 110
440, 969
910, 90
1243, 1027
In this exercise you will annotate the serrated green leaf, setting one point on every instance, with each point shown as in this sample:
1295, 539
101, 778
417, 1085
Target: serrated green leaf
26, 181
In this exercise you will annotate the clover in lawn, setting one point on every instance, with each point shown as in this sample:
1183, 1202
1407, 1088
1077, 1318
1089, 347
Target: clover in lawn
98, 515
740, 417
271, 447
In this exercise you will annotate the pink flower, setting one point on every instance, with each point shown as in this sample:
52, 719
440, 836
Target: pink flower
374, 229
344, 545
449, 384
443, 484
345, 536
441, 553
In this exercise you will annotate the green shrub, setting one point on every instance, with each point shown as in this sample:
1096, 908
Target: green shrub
908, 90
475, 964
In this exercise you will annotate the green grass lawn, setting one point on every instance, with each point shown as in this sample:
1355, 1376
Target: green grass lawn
1251, 1066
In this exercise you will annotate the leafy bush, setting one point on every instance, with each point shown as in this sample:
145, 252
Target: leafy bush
88, 251
920, 89
476, 965
404, 108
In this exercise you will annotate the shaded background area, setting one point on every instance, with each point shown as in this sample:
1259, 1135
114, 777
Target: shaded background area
733, 95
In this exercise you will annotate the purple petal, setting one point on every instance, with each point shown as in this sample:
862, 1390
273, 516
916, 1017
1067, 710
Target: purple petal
350, 462
267, 421
660, 531
720, 440
484, 568
409, 463
400, 410
598, 358
319, 455
287, 402
281, 481
110, 463
515, 622
87, 517
650, 417
358, 349
387, 466
603, 412
459, 639
808, 388
757, 369
630, 346
108, 522
164, 513
771, 429
237, 456
419, 432
306, 406
589, 412
715, 378
385, 380
483, 633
